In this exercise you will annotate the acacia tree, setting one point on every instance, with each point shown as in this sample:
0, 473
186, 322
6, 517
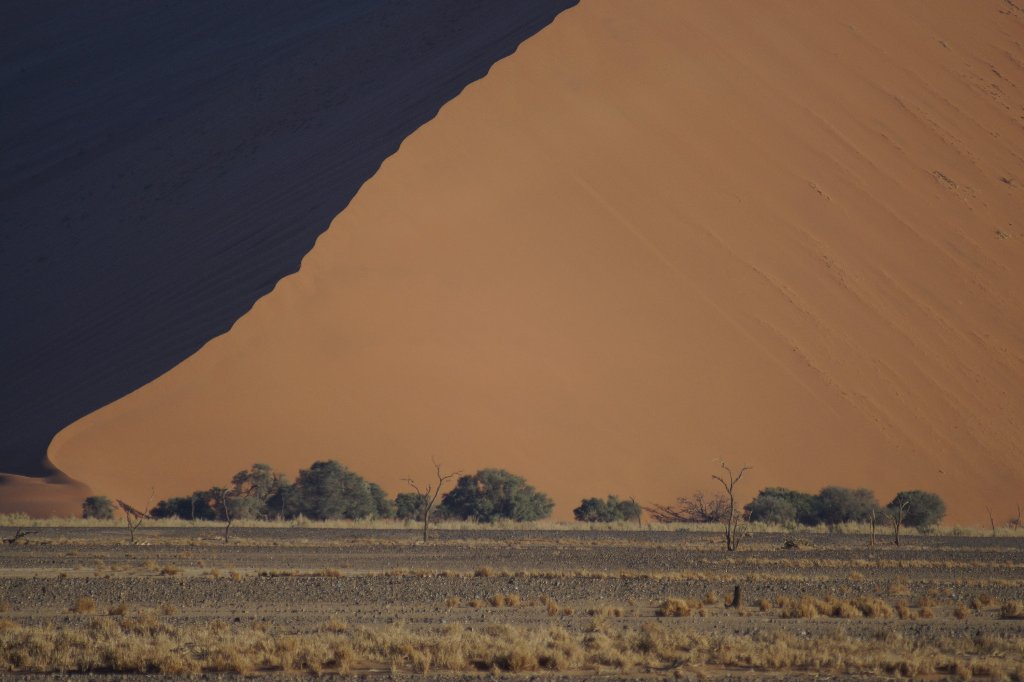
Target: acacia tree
897, 516
735, 521
428, 494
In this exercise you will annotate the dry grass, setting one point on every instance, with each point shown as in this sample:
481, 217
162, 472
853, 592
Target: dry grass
84, 605
119, 610
675, 608
170, 569
1012, 609
504, 600
861, 607
335, 625
145, 644
5, 606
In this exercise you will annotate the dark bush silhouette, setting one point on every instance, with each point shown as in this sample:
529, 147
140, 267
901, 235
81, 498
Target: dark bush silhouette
194, 507
383, 507
835, 505
409, 506
97, 507
328, 490
492, 494
922, 509
594, 509
783, 506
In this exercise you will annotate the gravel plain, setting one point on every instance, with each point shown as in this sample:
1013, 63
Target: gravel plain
298, 580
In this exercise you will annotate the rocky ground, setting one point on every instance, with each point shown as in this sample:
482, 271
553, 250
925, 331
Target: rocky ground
939, 591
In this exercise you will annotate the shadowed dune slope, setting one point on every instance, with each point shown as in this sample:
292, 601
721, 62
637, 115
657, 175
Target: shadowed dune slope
786, 234
164, 164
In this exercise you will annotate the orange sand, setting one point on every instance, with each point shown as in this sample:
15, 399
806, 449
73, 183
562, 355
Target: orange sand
55, 495
788, 234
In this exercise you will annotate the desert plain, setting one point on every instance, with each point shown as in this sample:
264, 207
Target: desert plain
541, 601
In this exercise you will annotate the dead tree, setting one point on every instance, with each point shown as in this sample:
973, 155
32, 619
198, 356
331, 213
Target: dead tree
133, 517
991, 521
428, 495
1015, 522
225, 496
698, 508
873, 528
18, 535
897, 516
735, 522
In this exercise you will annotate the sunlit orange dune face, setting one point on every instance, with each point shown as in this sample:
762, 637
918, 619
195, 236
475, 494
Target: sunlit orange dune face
786, 235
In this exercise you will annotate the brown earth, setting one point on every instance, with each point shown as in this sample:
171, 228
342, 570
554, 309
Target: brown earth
786, 234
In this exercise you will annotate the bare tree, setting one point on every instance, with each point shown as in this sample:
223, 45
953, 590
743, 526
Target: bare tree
897, 515
991, 521
18, 535
1015, 522
429, 494
735, 522
698, 508
873, 521
133, 517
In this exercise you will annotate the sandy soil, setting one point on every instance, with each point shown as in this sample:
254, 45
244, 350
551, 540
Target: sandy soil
279, 578
783, 234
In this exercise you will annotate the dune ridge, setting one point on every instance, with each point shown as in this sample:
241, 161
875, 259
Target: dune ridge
164, 165
783, 234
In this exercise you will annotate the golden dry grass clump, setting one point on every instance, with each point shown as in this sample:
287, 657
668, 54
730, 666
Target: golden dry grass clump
1012, 609
144, 643
84, 605
861, 607
675, 608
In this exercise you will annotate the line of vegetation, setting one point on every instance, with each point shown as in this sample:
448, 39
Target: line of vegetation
147, 644
328, 490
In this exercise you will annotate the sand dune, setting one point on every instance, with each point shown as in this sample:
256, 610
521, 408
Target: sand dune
54, 495
163, 165
786, 234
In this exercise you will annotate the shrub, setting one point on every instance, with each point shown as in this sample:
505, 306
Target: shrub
783, 506
492, 494
923, 511
384, 508
328, 490
97, 507
594, 509
409, 506
835, 505
193, 507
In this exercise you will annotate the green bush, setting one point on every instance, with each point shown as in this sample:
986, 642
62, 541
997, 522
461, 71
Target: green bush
783, 506
923, 511
384, 508
594, 509
492, 494
328, 490
835, 505
409, 506
97, 507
